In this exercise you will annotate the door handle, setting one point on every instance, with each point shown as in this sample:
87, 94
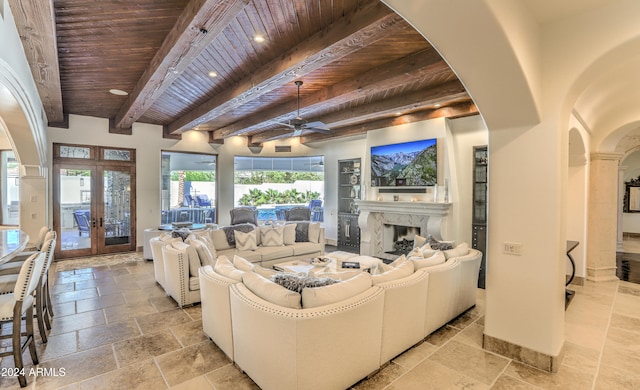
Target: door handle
100, 221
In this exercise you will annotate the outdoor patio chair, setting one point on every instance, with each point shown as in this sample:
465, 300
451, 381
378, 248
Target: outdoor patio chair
203, 200
82, 220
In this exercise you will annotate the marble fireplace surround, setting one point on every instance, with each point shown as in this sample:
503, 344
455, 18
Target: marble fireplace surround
374, 215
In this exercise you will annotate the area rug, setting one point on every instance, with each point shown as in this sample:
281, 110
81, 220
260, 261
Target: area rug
98, 261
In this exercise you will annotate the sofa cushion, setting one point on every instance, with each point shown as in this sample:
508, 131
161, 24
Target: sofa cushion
219, 239
272, 236
296, 282
225, 268
320, 296
246, 241
270, 291
403, 270
264, 272
206, 258
460, 250
274, 252
242, 264
435, 259
252, 256
191, 256
326, 272
194, 283
305, 248
289, 235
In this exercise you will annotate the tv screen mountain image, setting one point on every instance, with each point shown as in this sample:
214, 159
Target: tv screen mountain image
415, 162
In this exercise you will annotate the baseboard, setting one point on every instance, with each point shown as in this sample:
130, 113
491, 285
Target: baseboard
522, 354
630, 235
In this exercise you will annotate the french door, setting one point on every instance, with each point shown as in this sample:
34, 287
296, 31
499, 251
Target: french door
94, 200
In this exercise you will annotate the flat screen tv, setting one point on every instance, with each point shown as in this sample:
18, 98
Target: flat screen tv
408, 163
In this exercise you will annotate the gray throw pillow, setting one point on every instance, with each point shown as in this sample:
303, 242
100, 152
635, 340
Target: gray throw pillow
244, 215
296, 283
438, 245
298, 214
302, 232
182, 233
229, 231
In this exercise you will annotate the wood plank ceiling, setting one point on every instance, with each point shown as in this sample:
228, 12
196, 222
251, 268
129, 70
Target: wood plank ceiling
363, 66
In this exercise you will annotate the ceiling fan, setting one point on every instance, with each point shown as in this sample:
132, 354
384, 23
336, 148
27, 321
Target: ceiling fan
299, 125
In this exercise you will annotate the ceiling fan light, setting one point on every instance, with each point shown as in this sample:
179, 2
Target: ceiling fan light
212, 74
259, 38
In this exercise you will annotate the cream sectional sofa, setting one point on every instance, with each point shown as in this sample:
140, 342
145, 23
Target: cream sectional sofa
176, 262
332, 346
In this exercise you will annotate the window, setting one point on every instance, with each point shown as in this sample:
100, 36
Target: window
188, 187
10, 188
274, 184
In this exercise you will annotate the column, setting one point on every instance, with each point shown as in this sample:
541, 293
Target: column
621, 190
603, 217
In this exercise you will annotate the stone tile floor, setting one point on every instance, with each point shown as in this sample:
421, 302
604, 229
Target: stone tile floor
114, 328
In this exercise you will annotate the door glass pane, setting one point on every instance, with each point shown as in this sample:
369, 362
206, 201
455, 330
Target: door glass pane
75, 208
117, 207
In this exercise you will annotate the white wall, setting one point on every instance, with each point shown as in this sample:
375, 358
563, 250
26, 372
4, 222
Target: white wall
461, 134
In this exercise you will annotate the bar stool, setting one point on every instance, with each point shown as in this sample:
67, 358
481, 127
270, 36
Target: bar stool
36, 248
15, 305
43, 298
13, 265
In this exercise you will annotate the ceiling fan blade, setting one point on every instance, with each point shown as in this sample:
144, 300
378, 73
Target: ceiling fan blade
318, 127
289, 125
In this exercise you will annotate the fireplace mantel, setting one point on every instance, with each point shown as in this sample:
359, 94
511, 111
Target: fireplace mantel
374, 215
421, 208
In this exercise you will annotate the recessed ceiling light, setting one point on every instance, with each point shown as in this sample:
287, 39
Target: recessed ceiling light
213, 74
259, 38
437, 105
398, 113
118, 92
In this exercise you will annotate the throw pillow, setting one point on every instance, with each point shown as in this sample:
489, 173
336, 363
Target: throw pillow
419, 241
398, 261
270, 291
246, 241
296, 283
314, 232
460, 250
206, 258
427, 251
272, 236
439, 245
244, 215
302, 231
225, 268
320, 296
298, 214
180, 233
289, 236
437, 258
242, 264
229, 231
403, 270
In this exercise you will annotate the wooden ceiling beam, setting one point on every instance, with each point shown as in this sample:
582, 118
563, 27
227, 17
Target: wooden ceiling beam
344, 37
35, 22
444, 94
391, 75
454, 111
198, 25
